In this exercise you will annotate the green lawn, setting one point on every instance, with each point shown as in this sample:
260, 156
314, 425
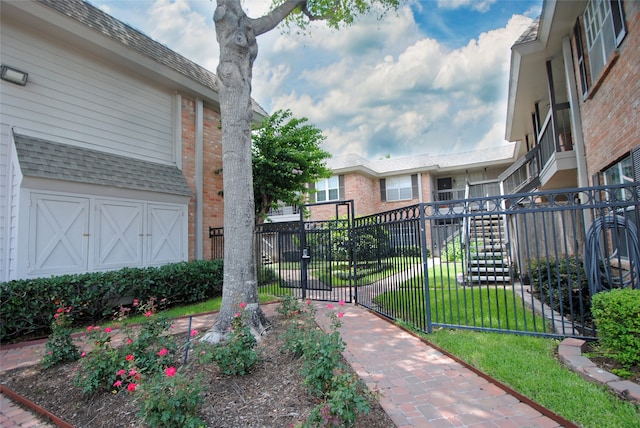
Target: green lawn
528, 365
453, 304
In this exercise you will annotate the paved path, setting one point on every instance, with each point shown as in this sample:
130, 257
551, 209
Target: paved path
419, 386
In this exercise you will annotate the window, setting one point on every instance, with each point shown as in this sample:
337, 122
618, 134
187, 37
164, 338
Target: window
399, 188
620, 173
604, 30
330, 189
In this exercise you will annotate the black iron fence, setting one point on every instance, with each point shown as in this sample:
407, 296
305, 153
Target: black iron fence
525, 263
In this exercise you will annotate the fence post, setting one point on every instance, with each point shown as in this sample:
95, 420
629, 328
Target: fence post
425, 268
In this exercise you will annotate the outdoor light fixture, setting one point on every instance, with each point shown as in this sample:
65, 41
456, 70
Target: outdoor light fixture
14, 76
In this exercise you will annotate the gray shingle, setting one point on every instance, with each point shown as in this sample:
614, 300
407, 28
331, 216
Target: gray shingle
46, 159
530, 34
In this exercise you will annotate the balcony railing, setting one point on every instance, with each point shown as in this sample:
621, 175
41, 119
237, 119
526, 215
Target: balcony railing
523, 174
449, 194
285, 210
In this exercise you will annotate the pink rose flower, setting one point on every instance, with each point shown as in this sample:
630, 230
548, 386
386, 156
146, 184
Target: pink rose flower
340, 314
117, 383
108, 330
131, 387
163, 352
170, 371
243, 305
148, 314
194, 333
330, 306
341, 302
121, 372
129, 341
129, 357
84, 354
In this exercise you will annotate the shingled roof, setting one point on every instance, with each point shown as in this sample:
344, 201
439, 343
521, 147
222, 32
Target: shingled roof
94, 18
46, 159
501, 154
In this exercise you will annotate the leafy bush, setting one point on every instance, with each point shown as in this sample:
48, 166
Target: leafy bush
617, 317
27, 304
236, 355
266, 275
60, 347
342, 394
171, 400
146, 349
562, 284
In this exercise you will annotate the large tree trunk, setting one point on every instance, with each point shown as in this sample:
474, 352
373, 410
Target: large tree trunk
238, 50
236, 34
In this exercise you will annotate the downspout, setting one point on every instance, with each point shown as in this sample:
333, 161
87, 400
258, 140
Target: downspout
198, 179
576, 120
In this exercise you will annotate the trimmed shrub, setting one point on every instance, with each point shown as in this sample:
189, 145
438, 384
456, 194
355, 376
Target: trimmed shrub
28, 305
617, 317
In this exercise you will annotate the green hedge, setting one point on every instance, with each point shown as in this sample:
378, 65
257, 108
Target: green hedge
27, 306
617, 316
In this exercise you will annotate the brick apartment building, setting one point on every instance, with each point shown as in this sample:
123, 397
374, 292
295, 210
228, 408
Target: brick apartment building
574, 96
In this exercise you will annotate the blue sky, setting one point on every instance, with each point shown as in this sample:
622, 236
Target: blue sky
431, 78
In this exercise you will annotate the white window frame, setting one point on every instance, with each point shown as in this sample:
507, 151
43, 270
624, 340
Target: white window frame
326, 187
601, 35
399, 188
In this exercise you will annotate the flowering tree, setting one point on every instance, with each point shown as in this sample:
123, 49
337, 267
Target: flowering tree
286, 155
237, 36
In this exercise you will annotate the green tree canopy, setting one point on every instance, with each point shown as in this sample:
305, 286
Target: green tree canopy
286, 155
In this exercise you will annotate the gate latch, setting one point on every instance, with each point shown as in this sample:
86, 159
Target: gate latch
305, 253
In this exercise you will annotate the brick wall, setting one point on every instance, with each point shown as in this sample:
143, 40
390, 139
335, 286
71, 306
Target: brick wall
212, 203
188, 163
610, 115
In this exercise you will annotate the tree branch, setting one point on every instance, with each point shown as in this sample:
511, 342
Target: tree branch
269, 21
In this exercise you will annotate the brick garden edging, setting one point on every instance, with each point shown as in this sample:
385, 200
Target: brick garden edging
570, 353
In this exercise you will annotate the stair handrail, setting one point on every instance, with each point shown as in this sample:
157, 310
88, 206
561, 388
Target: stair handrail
466, 228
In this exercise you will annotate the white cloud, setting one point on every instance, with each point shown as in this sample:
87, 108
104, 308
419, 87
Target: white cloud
378, 87
185, 30
478, 5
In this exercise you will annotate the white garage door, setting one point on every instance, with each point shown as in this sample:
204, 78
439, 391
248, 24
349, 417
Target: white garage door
58, 236
119, 234
70, 234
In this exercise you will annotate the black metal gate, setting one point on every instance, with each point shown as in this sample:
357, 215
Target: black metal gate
309, 259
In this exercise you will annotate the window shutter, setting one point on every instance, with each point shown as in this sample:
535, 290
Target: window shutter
595, 178
635, 158
618, 21
383, 190
582, 67
341, 187
312, 193
414, 186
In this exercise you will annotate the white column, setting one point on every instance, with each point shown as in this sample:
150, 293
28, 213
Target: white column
576, 121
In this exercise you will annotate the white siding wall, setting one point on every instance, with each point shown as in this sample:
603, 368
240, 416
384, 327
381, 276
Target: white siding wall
75, 98
4, 201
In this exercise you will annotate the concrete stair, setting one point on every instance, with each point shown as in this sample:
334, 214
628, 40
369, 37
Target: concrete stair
489, 263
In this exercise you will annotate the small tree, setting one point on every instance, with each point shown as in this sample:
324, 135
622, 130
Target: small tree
286, 155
